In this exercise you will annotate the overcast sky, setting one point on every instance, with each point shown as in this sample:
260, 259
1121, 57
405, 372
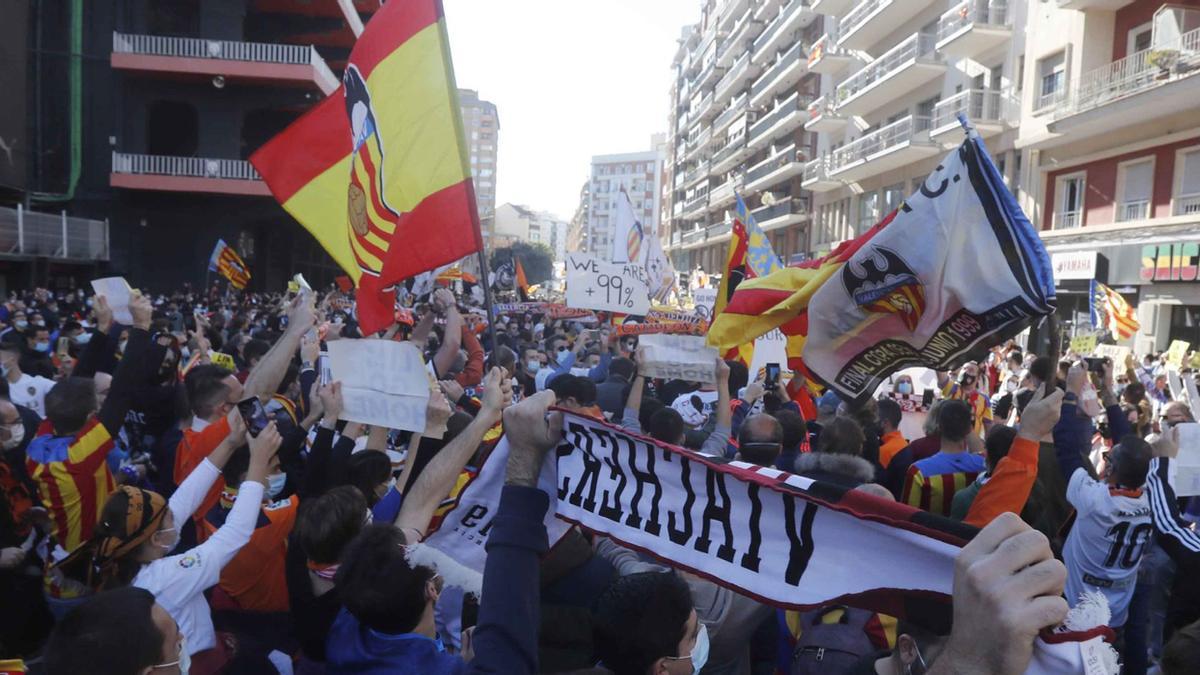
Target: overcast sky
571, 79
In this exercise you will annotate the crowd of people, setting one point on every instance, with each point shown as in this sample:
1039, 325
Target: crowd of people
145, 529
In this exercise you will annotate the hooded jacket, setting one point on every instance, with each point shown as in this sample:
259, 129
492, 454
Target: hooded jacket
845, 470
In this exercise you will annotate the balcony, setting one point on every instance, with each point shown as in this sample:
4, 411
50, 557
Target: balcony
731, 10
745, 31
1130, 211
185, 174
697, 142
973, 27
741, 72
723, 195
794, 15
824, 118
1144, 86
692, 237
719, 230
872, 20
988, 110
735, 150
816, 176
701, 104
199, 59
1187, 205
831, 7
694, 207
1067, 220
786, 212
1103, 5
735, 108
767, 9
902, 142
784, 118
785, 164
56, 236
826, 57
783, 74
902, 68
709, 76
696, 174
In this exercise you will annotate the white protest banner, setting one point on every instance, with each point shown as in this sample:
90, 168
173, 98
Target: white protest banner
784, 540
1116, 353
383, 382
1175, 383
1193, 397
118, 294
603, 286
679, 357
706, 300
770, 347
1185, 468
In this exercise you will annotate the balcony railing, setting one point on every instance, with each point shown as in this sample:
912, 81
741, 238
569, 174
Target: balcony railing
777, 161
725, 190
735, 73
897, 133
189, 167
790, 105
979, 105
918, 45
1187, 205
826, 45
198, 48
858, 15
1127, 211
1138, 72
970, 12
1066, 220
52, 235
693, 236
732, 147
695, 203
787, 207
736, 107
797, 54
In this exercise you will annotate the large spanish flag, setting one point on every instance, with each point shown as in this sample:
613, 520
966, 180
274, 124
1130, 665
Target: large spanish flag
378, 171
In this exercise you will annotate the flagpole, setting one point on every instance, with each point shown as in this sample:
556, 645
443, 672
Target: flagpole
1055, 347
487, 297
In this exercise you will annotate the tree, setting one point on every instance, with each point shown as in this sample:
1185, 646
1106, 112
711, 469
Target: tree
536, 258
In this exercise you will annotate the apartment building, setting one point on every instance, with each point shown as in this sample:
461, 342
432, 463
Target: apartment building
741, 91
639, 174
1110, 127
481, 124
516, 222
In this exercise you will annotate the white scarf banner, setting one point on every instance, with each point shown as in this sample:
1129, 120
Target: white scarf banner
783, 539
958, 269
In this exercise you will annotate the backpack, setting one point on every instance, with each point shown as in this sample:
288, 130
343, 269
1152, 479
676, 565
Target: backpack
833, 647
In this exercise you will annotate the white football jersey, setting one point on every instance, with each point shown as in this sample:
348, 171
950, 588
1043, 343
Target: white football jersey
1111, 531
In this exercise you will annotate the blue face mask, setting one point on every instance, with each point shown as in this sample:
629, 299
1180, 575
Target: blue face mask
83, 338
533, 365
42, 347
565, 358
904, 387
275, 483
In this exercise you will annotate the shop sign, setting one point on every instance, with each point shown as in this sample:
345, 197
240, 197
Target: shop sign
1074, 265
1170, 262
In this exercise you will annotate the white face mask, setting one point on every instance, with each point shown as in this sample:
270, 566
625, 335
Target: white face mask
16, 435
275, 483
121, 346
699, 654
21, 324
185, 659
83, 338
533, 365
172, 542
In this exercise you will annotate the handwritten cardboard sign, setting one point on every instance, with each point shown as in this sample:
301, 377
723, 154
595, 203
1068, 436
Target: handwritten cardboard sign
679, 357
1116, 353
1083, 345
118, 294
705, 299
384, 382
604, 286
1176, 352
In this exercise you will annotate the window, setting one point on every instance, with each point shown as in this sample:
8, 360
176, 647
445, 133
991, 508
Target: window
1019, 77
1187, 182
1015, 185
1138, 38
1135, 181
892, 196
1070, 190
868, 203
1052, 75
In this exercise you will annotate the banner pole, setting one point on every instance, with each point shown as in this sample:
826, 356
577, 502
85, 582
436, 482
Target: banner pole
487, 297
1055, 348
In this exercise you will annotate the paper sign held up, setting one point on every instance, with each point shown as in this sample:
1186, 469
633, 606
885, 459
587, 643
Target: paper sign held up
679, 357
1083, 344
604, 286
706, 300
1176, 352
1116, 353
118, 294
383, 382
1186, 465
770, 347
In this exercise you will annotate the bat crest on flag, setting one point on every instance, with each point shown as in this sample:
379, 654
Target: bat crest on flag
372, 220
886, 284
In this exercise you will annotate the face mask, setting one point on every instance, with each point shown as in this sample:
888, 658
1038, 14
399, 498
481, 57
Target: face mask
1010, 386
185, 352
565, 358
968, 380
42, 347
275, 484
185, 659
21, 324
700, 650
16, 435
173, 542
904, 387
83, 338
121, 346
39, 324
533, 365
4, 370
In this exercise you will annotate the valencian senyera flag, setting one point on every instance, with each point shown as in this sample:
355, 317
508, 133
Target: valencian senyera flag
956, 269
1110, 312
226, 262
629, 233
378, 171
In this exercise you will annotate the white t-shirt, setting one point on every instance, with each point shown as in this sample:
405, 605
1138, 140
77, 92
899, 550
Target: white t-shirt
30, 391
1112, 529
686, 406
178, 581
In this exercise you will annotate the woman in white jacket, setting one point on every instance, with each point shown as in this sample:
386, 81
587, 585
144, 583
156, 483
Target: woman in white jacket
138, 528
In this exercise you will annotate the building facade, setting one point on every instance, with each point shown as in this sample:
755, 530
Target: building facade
1087, 106
516, 222
640, 175
481, 124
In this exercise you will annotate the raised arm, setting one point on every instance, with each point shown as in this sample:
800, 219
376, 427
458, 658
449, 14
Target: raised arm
719, 438
633, 405
94, 351
451, 336
1072, 433
438, 476
265, 378
125, 380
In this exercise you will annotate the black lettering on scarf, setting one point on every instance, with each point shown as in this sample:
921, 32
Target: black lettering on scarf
612, 511
676, 535
801, 542
589, 477
750, 559
722, 512
644, 478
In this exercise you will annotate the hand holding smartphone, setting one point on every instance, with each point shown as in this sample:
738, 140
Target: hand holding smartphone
254, 415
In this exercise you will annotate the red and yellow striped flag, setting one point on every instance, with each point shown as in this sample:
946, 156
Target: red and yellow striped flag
378, 172
226, 262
